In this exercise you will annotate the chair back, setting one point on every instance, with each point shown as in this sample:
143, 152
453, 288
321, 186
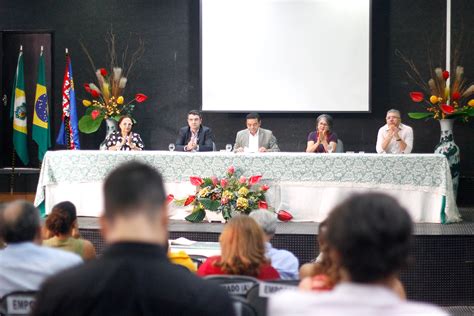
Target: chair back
17, 303
234, 284
339, 146
258, 295
242, 307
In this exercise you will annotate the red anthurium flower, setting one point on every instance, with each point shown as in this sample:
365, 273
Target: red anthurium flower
265, 187
231, 170
445, 75
447, 109
242, 180
94, 114
140, 97
223, 183
94, 93
189, 200
103, 71
456, 96
254, 179
224, 201
169, 198
214, 180
196, 181
284, 216
417, 96
262, 204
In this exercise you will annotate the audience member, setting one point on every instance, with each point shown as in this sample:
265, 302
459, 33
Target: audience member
282, 260
61, 222
254, 138
369, 239
134, 275
124, 139
323, 140
24, 265
195, 136
242, 251
394, 137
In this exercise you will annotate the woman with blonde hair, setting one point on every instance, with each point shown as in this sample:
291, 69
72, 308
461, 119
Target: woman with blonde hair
242, 252
61, 224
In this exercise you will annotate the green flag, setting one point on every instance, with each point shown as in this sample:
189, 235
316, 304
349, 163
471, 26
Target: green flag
18, 113
41, 133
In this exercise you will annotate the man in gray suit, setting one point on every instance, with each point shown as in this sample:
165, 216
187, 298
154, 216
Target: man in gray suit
254, 138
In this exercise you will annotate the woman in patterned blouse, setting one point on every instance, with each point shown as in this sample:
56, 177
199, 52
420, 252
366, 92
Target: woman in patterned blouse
124, 139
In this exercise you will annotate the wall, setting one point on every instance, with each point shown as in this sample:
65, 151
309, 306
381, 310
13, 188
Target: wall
169, 70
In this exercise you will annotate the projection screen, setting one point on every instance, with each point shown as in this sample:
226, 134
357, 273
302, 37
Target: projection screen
285, 55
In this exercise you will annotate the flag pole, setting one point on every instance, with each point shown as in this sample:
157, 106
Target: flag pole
12, 174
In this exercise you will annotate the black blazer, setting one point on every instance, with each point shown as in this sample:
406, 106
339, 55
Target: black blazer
205, 138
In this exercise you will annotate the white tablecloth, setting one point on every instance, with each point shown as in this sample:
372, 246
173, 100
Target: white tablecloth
307, 185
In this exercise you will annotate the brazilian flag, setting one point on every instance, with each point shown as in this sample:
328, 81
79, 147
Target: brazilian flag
18, 112
41, 133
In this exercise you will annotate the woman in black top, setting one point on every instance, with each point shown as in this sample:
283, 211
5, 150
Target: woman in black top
124, 139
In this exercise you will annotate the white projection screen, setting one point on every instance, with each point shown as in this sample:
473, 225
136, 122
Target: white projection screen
285, 55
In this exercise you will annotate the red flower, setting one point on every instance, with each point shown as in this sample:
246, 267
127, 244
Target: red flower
263, 204
140, 97
196, 181
254, 179
242, 180
265, 187
169, 198
447, 109
284, 216
445, 75
417, 96
224, 201
214, 180
94, 114
231, 170
223, 183
456, 96
103, 72
94, 93
189, 200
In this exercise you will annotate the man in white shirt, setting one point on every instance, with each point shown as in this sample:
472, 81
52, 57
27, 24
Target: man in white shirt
394, 137
368, 237
255, 138
24, 264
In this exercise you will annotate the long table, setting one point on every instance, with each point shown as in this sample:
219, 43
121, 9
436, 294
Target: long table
307, 185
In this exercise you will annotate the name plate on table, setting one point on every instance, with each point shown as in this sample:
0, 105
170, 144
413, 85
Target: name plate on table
20, 304
240, 288
266, 289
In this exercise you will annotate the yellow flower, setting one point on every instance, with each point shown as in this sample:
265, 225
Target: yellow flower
86, 102
471, 102
243, 191
228, 195
242, 203
204, 192
434, 99
120, 100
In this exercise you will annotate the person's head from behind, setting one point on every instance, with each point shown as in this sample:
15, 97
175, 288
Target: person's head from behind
267, 220
62, 219
253, 122
324, 123
125, 124
194, 120
20, 222
242, 247
134, 205
369, 237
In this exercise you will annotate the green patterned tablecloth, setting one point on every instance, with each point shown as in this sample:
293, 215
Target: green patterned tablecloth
424, 172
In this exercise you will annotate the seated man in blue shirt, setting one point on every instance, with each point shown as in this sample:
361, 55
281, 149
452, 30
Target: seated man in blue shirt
195, 136
282, 260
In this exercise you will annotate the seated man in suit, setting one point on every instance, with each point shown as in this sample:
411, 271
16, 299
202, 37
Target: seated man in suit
254, 138
194, 137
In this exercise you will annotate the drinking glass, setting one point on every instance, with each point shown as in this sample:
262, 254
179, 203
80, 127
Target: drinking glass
330, 149
171, 147
228, 147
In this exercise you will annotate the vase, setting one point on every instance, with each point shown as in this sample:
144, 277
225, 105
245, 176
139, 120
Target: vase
111, 126
448, 148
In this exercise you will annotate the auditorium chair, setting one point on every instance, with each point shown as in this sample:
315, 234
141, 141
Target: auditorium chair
234, 284
340, 146
242, 307
258, 295
17, 303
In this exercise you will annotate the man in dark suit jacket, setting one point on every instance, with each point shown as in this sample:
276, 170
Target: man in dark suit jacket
195, 137
134, 275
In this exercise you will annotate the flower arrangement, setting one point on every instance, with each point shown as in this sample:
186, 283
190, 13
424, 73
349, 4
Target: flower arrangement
106, 95
229, 195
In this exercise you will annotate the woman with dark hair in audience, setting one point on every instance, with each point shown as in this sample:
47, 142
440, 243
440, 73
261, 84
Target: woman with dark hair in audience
60, 224
323, 140
124, 139
242, 251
